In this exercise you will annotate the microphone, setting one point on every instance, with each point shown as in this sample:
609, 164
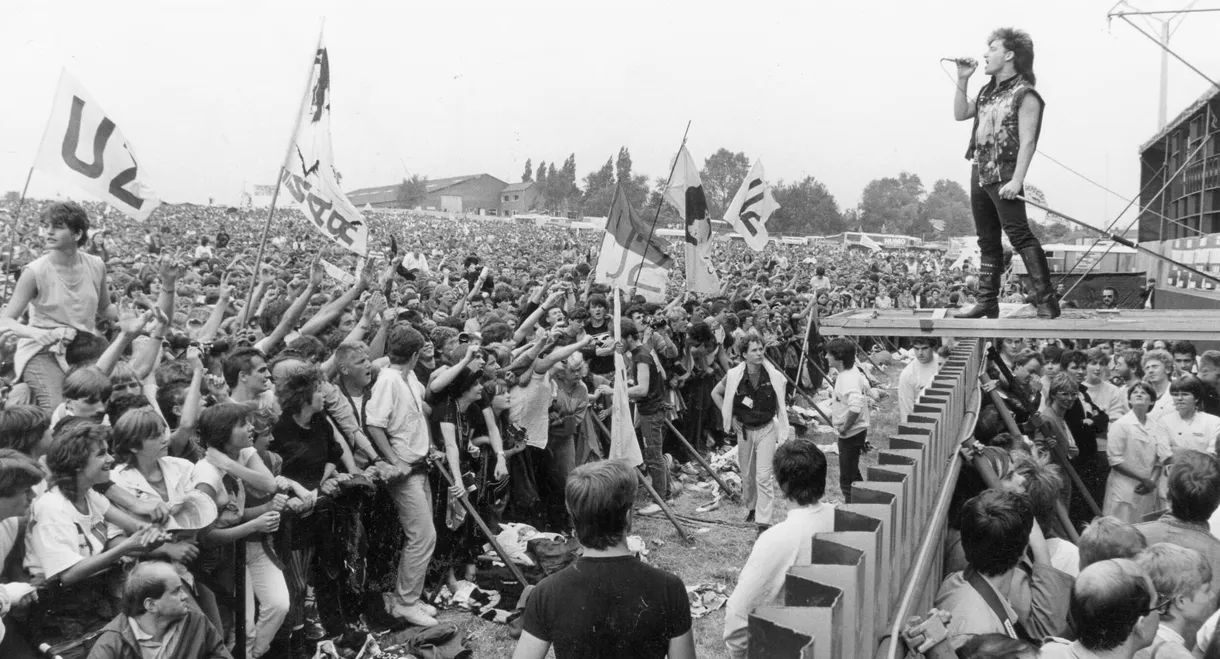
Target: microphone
966, 61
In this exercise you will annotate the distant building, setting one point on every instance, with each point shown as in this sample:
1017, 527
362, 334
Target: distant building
519, 198
477, 194
1180, 216
257, 196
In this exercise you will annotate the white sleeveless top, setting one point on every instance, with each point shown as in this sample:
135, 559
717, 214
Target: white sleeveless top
58, 304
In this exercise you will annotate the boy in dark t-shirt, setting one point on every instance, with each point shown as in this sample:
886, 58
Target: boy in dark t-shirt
608, 604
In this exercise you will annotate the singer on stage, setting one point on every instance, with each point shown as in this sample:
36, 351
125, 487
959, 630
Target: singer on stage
1007, 120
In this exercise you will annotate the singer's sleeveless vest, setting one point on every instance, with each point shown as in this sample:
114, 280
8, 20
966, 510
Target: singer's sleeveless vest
995, 139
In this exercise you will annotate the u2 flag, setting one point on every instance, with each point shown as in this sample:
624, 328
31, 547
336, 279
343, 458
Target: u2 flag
309, 171
628, 258
82, 145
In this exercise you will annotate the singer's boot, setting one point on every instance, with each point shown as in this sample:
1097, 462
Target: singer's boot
991, 270
1045, 300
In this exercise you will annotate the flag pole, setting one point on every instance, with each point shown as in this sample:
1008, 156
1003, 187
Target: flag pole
661, 202
12, 241
813, 311
296, 127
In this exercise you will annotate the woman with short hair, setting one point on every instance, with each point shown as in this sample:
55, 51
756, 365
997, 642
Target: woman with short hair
1132, 448
66, 542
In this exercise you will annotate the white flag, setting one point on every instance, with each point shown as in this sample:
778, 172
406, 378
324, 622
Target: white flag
623, 444
337, 273
628, 259
83, 146
751, 207
309, 171
685, 193
869, 242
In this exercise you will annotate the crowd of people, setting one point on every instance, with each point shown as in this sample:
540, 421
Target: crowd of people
169, 404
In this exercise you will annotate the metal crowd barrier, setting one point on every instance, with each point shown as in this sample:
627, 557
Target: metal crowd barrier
851, 589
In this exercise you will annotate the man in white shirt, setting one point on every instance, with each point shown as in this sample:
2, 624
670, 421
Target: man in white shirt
397, 419
917, 375
848, 411
800, 469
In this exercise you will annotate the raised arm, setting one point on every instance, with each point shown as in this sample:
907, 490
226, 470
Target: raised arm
559, 354
963, 107
331, 311
442, 378
128, 330
294, 312
171, 270
528, 324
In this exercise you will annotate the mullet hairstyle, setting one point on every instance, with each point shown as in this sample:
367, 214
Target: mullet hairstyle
1019, 43
599, 497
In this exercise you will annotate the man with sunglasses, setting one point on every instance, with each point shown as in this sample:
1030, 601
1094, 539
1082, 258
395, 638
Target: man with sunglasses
1116, 611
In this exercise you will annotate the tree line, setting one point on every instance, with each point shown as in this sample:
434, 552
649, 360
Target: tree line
899, 205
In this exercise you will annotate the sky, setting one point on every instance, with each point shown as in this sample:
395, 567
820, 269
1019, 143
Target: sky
846, 92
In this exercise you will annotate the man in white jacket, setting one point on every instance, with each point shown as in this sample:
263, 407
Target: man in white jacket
751, 402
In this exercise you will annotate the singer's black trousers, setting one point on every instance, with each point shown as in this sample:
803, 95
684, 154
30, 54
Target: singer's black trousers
993, 215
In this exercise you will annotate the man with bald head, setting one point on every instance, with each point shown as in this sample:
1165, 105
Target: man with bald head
158, 621
1116, 611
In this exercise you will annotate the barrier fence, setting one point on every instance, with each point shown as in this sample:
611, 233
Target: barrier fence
852, 588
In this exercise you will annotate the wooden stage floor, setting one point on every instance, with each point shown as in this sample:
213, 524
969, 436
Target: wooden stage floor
1019, 321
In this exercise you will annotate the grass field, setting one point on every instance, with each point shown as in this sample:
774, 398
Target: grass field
716, 556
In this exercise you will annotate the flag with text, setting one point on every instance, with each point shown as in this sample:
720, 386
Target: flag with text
309, 172
82, 145
629, 258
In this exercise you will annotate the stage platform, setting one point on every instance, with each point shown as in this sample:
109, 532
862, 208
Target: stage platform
1019, 321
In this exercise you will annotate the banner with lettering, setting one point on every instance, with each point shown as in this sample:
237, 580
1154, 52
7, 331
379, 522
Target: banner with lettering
82, 145
309, 172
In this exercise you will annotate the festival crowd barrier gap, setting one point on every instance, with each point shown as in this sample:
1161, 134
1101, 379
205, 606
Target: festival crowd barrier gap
852, 588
